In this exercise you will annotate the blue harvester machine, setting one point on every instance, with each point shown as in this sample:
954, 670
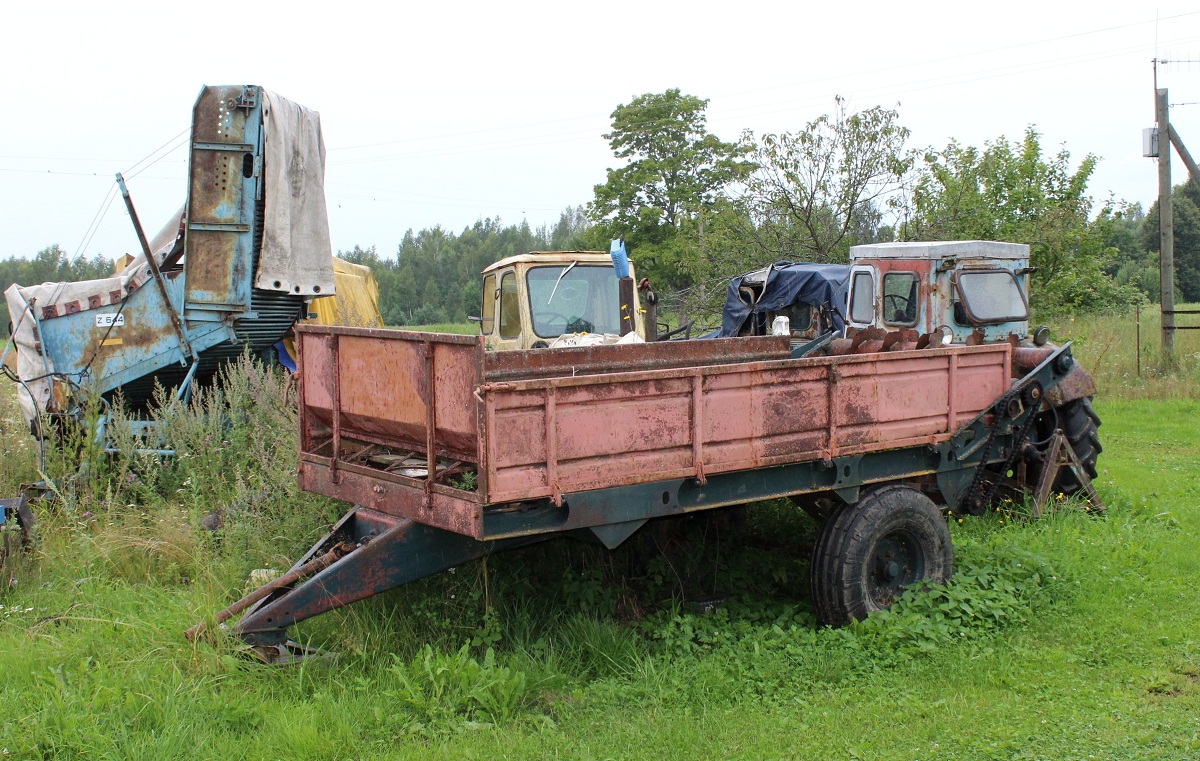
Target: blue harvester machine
231, 272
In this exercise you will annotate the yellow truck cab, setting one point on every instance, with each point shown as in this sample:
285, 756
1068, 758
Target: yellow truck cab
530, 300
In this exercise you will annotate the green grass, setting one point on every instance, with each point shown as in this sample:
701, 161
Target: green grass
1107, 345
1091, 648
463, 328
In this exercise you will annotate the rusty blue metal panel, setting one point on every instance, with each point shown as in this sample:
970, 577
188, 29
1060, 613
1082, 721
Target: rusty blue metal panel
224, 170
112, 346
126, 337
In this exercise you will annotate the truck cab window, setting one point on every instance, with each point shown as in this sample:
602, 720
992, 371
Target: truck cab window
799, 316
510, 307
573, 299
862, 299
900, 298
990, 296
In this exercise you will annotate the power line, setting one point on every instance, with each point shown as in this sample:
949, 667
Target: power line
94, 227
105, 175
802, 83
908, 87
527, 140
178, 141
977, 76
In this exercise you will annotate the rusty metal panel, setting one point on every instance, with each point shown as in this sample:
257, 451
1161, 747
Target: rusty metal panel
314, 366
551, 436
383, 388
213, 269
592, 360
123, 343
790, 417
632, 426
637, 427
392, 494
226, 144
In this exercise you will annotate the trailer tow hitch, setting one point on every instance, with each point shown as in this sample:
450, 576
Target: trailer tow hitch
366, 552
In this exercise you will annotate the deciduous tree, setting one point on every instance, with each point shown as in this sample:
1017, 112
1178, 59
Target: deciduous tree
675, 168
1185, 203
1011, 192
816, 191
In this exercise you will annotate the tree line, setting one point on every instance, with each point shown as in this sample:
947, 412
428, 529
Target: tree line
708, 209
50, 265
434, 275
695, 210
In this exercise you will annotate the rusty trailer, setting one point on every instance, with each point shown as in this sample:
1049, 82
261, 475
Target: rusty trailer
449, 452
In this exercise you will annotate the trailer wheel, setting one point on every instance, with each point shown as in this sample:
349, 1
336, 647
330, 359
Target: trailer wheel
867, 554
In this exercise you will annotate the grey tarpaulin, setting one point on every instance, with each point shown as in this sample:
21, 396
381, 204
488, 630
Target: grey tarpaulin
297, 256
787, 283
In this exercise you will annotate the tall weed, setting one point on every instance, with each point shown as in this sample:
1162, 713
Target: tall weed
994, 586
1107, 346
444, 689
17, 448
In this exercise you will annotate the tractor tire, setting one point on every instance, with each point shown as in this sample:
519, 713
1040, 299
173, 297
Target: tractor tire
867, 554
1079, 423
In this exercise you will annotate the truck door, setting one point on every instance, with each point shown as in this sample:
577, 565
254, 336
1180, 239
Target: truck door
487, 310
508, 312
861, 311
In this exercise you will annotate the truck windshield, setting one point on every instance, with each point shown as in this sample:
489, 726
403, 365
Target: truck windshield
992, 296
573, 299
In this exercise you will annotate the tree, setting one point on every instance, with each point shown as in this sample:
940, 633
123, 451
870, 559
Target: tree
675, 170
1124, 233
1011, 192
434, 276
568, 234
51, 264
810, 195
1185, 202
816, 191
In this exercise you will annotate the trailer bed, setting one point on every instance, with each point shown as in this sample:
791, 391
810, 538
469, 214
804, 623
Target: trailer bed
395, 420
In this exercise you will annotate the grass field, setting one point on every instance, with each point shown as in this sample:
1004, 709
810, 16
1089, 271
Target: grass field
462, 328
1070, 637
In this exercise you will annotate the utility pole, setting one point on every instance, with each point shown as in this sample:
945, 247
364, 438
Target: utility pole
1166, 229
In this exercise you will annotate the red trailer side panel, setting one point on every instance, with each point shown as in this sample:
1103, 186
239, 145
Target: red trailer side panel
425, 402
557, 435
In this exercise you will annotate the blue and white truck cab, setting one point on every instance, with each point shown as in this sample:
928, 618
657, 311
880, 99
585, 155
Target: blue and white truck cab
971, 292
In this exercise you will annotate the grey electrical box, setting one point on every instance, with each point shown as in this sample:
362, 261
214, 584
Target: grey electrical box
1150, 142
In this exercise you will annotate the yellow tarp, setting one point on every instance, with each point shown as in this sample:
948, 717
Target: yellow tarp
356, 303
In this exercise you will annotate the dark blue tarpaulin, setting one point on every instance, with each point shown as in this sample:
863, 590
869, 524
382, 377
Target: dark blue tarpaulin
787, 283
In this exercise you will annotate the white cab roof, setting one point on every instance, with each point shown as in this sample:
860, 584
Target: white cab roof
553, 257
959, 249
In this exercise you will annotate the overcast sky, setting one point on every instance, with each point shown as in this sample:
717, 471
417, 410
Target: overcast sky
445, 113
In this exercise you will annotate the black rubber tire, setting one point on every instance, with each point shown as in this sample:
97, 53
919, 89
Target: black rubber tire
867, 553
1079, 422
